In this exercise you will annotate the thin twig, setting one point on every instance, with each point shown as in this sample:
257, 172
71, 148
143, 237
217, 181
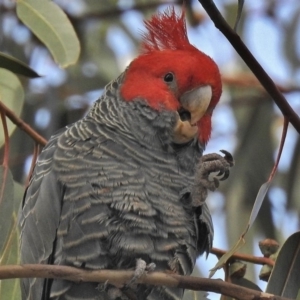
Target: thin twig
5, 157
250, 81
122, 277
251, 62
282, 141
227, 279
244, 257
22, 125
6, 140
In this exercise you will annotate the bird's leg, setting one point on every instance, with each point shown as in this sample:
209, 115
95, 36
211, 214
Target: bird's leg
112, 292
212, 169
141, 269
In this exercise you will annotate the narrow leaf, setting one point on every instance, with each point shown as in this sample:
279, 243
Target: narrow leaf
6, 206
265, 187
223, 260
50, 24
12, 95
10, 289
246, 283
239, 14
257, 204
284, 279
16, 66
256, 207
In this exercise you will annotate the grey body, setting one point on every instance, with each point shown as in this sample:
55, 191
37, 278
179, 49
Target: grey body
107, 190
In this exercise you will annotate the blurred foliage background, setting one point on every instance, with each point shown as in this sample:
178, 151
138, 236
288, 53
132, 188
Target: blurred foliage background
246, 122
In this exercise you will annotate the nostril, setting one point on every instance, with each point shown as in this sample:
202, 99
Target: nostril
184, 114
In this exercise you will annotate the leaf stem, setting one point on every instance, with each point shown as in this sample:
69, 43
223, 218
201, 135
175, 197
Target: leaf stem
244, 257
22, 125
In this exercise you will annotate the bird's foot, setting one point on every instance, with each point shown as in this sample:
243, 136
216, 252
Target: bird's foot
213, 168
141, 269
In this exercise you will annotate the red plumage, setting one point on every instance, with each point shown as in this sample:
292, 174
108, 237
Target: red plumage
166, 31
166, 48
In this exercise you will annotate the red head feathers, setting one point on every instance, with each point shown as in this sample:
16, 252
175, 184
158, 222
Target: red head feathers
166, 49
166, 31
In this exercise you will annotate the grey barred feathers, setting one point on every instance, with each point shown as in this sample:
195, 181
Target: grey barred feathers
128, 182
108, 190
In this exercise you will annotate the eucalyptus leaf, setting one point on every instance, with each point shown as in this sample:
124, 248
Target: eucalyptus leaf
292, 179
12, 95
10, 289
245, 283
16, 66
257, 204
239, 14
50, 24
284, 279
222, 261
6, 207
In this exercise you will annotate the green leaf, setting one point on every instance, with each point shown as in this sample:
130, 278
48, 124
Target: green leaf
10, 202
257, 204
12, 95
50, 24
6, 206
239, 14
16, 66
223, 260
10, 289
284, 279
245, 283
256, 207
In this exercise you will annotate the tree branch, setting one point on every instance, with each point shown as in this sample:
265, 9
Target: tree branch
249, 81
122, 277
260, 260
22, 125
251, 62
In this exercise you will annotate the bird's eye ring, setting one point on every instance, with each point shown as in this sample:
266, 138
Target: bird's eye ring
169, 77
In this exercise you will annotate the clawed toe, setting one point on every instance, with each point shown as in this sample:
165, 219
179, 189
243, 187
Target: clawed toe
223, 175
141, 269
213, 168
228, 157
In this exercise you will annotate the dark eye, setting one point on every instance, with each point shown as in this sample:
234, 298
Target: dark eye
169, 77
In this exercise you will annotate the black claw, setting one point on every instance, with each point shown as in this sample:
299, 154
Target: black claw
228, 157
217, 183
225, 176
220, 173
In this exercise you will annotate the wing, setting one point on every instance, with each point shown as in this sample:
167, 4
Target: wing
43, 198
205, 228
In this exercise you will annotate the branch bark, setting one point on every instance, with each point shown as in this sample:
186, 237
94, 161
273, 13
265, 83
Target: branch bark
250, 81
22, 125
251, 62
260, 260
122, 277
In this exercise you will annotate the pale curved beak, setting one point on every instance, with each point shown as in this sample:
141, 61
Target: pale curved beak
194, 105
